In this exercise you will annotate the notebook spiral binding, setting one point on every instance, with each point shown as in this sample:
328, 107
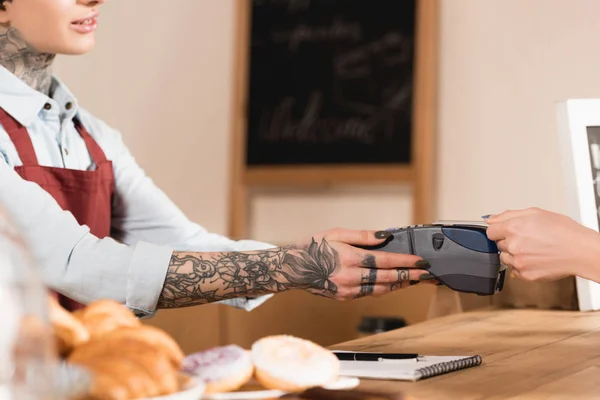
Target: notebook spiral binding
449, 366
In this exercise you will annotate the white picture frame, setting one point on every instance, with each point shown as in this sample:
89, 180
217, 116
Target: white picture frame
578, 123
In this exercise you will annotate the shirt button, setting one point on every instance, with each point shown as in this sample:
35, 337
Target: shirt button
47, 106
69, 105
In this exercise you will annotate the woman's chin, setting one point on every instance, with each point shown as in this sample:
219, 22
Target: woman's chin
75, 49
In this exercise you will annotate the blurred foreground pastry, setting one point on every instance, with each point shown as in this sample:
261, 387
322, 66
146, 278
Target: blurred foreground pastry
132, 359
153, 338
68, 331
292, 364
104, 316
125, 359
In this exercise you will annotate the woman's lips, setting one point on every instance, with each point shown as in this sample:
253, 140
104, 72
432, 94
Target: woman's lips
86, 25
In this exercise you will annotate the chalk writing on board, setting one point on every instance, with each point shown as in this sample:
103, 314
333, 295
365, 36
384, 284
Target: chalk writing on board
331, 81
281, 126
338, 29
392, 49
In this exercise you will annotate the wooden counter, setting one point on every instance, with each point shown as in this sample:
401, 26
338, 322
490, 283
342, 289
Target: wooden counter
527, 354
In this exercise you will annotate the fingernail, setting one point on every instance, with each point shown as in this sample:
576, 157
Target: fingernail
414, 282
422, 264
486, 216
383, 234
426, 277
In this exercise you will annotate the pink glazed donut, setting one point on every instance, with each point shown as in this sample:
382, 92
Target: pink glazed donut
292, 364
221, 369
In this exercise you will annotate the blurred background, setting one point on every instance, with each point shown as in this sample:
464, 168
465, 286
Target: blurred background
163, 74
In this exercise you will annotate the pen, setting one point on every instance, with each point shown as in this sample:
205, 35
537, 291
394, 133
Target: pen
360, 356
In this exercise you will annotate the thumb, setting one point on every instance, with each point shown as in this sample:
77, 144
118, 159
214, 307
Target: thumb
508, 214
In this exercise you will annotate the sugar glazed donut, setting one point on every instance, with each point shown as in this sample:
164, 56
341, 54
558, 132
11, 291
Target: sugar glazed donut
292, 364
221, 369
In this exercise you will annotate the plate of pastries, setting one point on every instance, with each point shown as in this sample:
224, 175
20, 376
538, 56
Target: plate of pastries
124, 360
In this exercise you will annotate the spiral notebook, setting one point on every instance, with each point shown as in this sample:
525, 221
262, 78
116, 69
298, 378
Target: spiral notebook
408, 370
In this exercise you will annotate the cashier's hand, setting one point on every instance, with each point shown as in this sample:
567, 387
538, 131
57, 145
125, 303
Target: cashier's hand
542, 245
330, 264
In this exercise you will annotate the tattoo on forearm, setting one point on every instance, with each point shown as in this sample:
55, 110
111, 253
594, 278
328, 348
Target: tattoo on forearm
31, 66
199, 279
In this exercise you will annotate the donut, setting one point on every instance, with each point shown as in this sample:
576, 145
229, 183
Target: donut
221, 369
292, 364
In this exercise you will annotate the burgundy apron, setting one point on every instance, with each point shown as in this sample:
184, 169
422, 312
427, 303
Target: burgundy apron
86, 194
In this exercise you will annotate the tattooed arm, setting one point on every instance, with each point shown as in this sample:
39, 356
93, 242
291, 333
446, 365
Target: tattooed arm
329, 266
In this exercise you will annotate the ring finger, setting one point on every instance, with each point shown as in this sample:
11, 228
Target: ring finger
374, 276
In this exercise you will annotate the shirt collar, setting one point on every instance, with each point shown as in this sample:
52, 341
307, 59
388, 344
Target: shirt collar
62, 95
23, 102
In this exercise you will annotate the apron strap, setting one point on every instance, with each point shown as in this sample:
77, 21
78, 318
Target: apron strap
20, 137
92, 146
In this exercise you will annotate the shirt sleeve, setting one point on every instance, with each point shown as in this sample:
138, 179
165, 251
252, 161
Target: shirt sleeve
76, 263
144, 213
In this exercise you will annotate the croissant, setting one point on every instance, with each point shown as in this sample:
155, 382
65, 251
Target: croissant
68, 331
148, 360
103, 307
105, 386
116, 378
105, 316
127, 360
152, 337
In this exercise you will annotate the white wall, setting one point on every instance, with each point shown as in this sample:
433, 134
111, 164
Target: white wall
504, 64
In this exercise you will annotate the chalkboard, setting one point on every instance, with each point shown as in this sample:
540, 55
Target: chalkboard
330, 82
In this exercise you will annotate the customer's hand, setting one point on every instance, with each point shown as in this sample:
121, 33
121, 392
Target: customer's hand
542, 245
329, 264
